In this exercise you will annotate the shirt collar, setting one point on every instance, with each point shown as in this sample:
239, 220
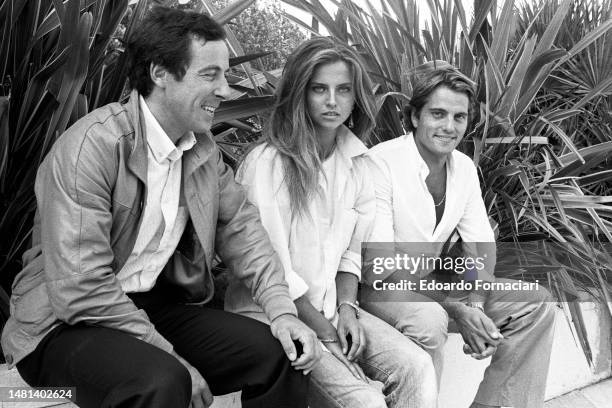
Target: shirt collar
348, 146
422, 166
159, 143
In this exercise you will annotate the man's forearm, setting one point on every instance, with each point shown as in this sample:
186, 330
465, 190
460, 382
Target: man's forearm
454, 309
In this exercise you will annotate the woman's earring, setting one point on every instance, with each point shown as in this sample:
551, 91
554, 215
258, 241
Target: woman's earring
350, 123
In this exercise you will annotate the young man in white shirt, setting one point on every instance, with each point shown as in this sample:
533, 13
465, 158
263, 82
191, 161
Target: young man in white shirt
426, 190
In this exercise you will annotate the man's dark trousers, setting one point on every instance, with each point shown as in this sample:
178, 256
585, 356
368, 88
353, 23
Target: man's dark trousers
113, 369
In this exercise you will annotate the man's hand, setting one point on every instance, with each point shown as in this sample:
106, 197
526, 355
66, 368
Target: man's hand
349, 325
201, 397
287, 328
478, 331
489, 351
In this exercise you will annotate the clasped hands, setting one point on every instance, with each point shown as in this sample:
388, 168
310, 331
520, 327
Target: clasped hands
479, 333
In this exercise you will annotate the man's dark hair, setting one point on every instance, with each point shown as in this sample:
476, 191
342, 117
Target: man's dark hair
164, 38
429, 78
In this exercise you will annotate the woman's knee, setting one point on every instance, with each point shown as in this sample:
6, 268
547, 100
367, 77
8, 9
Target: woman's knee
412, 380
365, 396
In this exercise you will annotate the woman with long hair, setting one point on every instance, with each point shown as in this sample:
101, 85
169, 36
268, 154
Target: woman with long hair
310, 183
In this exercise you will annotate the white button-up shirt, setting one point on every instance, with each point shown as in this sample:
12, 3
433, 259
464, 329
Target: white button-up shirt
164, 217
312, 248
405, 210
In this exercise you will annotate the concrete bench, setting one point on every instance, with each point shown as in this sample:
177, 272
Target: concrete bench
568, 369
11, 378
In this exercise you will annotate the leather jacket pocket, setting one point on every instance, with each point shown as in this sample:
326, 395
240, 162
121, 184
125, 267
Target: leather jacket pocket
33, 311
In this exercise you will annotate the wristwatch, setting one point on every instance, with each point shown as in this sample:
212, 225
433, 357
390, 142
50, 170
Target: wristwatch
476, 305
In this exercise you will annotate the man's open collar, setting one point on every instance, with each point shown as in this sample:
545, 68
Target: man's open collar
199, 154
160, 145
137, 161
420, 162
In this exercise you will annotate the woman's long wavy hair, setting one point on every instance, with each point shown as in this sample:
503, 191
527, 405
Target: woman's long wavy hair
290, 128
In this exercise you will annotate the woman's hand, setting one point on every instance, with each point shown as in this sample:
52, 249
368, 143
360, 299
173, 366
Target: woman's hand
353, 367
329, 335
350, 332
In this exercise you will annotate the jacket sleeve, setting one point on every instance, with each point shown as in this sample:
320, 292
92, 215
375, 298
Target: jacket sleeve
244, 246
260, 176
73, 191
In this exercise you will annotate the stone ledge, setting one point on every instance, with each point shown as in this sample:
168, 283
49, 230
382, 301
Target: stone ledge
11, 378
568, 369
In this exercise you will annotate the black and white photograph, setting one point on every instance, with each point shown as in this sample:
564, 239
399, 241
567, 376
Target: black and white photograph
306, 203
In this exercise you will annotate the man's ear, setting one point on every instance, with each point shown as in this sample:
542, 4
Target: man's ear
414, 118
159, 75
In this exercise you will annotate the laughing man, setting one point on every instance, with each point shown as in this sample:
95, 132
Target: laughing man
133, 202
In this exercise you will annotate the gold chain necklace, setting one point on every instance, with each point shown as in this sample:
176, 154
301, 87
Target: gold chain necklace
441, 201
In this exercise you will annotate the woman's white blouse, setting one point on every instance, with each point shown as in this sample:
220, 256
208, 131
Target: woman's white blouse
312, 248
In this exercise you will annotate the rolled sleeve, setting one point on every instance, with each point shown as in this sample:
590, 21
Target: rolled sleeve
351, 263
365, 207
